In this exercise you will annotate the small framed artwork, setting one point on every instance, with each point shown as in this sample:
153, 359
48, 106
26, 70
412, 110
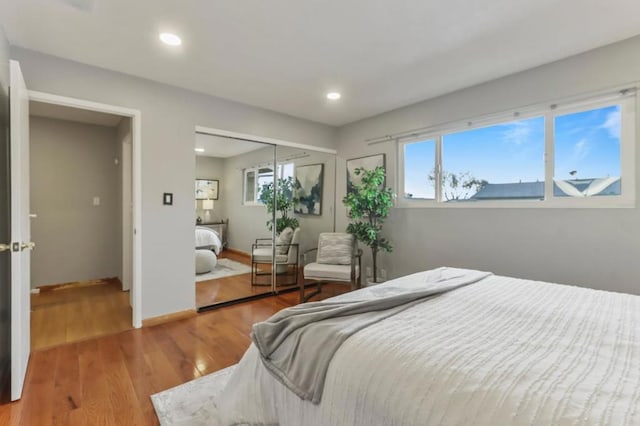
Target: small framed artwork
207, 189
368, 163
308, 189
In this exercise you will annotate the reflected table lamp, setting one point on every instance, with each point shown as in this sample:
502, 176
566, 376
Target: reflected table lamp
207, 206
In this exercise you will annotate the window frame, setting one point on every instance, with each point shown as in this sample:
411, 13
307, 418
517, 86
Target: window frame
629, 124
278, 173
245, 185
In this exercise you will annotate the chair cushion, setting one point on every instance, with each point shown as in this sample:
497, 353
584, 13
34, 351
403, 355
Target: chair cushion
335, 248
263, 255
323, 271
206, 260
283, 240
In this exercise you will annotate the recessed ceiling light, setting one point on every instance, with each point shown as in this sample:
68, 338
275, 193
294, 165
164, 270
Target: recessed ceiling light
199, 150
170, 39
333, 96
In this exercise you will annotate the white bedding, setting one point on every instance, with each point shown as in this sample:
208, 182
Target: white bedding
208, 238
501, 351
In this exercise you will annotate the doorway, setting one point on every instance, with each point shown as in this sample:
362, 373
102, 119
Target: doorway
131, 216
80, 197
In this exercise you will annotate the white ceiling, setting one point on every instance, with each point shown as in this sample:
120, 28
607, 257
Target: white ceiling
216, 146
286, 54
60, 112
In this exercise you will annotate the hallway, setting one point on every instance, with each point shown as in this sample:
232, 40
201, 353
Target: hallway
76, 313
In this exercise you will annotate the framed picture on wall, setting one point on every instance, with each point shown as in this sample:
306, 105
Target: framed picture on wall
207, 189
369, 163
308, 189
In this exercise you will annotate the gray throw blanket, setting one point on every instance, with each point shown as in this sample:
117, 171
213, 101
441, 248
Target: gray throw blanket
297, 344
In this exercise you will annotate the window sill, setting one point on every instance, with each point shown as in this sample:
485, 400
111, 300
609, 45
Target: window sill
570, 203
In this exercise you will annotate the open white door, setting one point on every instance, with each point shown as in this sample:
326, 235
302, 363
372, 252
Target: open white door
20, 231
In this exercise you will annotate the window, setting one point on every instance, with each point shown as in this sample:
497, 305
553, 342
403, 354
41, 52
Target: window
418, 178
587, 153
256, 177
503, 161
576, 155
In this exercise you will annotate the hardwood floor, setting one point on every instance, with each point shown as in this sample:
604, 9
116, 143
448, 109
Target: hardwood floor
108, 380
233, 287
69, 314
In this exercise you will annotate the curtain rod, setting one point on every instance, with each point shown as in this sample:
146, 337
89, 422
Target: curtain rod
627, 90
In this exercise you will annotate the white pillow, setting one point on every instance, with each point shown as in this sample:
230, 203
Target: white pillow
283, 240
335, 248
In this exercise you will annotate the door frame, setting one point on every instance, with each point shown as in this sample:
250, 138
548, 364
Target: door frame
136, 176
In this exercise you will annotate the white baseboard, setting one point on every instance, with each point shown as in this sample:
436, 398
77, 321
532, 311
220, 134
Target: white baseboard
35, 290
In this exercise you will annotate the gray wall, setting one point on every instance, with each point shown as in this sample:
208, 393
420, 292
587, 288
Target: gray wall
5, 259
125, 215
211, 168
169, 117
70, 164
591, 247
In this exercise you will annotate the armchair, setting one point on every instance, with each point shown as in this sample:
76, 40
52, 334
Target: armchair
338, 259
286, 257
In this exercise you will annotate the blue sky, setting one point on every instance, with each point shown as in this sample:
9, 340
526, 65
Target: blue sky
587, 142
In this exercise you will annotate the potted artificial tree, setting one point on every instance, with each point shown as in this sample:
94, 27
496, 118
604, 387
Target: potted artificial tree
284, 204
368, 204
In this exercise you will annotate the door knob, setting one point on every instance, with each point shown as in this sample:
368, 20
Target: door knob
28, 245
5, 247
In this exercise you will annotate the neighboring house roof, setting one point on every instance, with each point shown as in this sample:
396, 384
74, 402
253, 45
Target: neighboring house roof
522, 190
535, 190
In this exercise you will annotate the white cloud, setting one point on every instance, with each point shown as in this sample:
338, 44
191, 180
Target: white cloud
518, 132
612, 124
580, 150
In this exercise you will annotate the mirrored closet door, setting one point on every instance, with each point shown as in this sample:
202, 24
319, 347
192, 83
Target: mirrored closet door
306, 180
233, 212
259, 209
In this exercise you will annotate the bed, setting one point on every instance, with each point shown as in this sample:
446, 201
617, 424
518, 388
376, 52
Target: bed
500, 351
207, 238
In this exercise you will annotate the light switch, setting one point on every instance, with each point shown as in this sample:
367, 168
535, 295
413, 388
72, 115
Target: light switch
96, 201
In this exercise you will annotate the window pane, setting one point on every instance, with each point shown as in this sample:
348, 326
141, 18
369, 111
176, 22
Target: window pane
419, 163
587, 153
285, 170
499, 162
250, 187
265, 177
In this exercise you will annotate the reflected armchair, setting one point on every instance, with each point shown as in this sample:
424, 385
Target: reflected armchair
338, 259
287, 252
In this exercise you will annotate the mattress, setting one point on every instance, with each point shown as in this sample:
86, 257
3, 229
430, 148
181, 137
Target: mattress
209, 239
503, 351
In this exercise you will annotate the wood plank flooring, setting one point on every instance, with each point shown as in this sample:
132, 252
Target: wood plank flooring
233, 287
71, 314
108, 380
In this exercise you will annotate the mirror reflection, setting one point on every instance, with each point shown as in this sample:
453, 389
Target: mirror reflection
258, 209
229, 216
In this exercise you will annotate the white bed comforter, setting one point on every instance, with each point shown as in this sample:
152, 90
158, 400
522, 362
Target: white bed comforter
503, 351
206, 237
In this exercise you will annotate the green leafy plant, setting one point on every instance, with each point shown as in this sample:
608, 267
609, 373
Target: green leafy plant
284, 203
369, 203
